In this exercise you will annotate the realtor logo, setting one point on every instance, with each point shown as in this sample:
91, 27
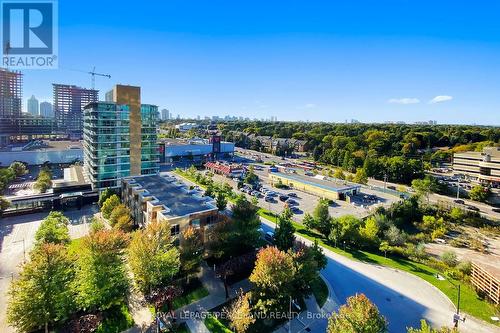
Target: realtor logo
29, 34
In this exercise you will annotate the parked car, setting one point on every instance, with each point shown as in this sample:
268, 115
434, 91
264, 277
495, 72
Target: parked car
283, 197
474, 208
269, 236
459, 201
292, 194
256, 194
295, 210
291, 202
271, 193
496, 210
269, 199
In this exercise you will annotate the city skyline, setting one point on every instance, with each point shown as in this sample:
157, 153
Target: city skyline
403, 63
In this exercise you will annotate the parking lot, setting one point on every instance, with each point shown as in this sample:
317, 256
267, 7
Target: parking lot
306, 203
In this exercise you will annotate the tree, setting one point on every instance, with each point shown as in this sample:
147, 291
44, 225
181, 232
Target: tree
53, 229
101, 277
42, 294
152, 257
107, 207
221, 201
284, 234
306, 269
479, 193
191, 251
345, 228
104, 195
309, 221
449, 258
44, 180
240, 313
18, 168
339, 174
246, 224
322, 217
220, 242
394, 236
423, 187
384, 247
359, 315
369, 232
273, 277
426, 328
4, 204
361, 176
318, 255
121, 213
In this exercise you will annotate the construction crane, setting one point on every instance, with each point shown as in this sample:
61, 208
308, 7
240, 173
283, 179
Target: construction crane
93, 73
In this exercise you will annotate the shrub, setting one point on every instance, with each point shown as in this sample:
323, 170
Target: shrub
449, 258
465, 267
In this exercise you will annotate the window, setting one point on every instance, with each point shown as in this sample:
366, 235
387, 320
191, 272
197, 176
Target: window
175, 229
195, 223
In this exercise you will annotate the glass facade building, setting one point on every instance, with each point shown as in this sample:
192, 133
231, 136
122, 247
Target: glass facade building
107, 142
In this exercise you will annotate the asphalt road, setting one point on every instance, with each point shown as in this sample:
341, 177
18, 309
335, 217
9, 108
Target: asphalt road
402, 298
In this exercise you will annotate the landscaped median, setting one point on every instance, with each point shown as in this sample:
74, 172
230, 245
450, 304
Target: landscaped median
469, 302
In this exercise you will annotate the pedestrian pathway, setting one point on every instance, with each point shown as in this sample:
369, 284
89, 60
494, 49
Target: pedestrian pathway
313, 318
194, 313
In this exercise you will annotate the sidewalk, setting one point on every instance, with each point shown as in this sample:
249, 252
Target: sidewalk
194, 313
313, 319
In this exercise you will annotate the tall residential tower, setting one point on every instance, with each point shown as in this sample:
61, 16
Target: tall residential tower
69, 102
11, 93
120, 138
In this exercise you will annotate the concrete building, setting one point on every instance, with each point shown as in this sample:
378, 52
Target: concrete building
165, 114
318, 185
69, 101
11, 93
167, 200
480, 167
184, 127
39, 152
46, 110
33, 106
120, 138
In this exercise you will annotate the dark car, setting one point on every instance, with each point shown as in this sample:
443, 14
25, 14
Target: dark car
292, 194
283, 197
295, 210
291, 202
474, 208
459, 201
496, 210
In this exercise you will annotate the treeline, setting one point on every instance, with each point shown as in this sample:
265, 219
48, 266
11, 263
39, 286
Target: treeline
400, 152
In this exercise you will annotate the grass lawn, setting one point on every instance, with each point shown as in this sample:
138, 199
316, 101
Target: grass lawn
215, 326
469, 303
190, 295
320, 291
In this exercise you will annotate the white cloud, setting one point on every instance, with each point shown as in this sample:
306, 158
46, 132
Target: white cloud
405, 100
440, 98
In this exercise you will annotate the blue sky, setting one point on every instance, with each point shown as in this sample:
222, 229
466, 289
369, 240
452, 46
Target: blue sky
373, 61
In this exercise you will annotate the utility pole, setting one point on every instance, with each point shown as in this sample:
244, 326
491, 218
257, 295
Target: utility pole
458, 189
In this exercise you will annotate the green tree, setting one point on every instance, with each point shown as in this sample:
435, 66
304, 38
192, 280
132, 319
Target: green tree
104, 195
42, 294
44, 180
309, 221
369, 232
345, 228
153, 258
284, 234
191, 251
101, 277
339, 174
18, 168
4, 204
246, 224
107, 207
361, 177
322, 217
394, 236
384, 247
221, 201
479, 193
359, 315
449, 258
318, 255
426, 328
424, 187
118, 212
53, 229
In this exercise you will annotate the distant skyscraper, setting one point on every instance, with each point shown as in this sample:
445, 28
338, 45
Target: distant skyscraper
11, 93
165, 114
46, 110
33, 106
69, 102
119, 138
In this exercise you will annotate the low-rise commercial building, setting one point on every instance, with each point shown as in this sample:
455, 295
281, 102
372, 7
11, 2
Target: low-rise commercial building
197, 150
480, 167
225, 169
165, 199
318, 185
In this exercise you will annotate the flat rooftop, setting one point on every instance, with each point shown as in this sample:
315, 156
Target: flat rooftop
174, 195
326, 184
